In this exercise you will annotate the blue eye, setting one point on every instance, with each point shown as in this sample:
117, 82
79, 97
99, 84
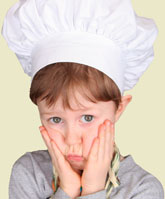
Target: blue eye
55, 120
88, 118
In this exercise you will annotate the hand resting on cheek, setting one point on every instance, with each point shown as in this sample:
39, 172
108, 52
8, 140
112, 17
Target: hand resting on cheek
96, 168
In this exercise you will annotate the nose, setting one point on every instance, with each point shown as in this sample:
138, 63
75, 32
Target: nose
73, 135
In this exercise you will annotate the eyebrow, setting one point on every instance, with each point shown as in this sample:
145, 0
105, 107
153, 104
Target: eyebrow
58, 111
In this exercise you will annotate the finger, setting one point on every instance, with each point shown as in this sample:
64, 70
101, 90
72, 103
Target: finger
108, 136
59, 158
93, 155
61, 163
48, 141
112, 127
45, 137
56, 150
51, 149
109, 140
101, 149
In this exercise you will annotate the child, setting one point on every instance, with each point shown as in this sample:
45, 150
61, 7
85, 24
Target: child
81, 56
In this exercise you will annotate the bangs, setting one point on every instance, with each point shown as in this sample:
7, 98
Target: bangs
64, 79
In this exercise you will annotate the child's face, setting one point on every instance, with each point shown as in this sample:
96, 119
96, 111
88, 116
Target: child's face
74, 131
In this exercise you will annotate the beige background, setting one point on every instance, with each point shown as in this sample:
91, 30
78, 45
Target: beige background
139, 132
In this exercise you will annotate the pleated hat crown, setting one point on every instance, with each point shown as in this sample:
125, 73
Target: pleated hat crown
106, 35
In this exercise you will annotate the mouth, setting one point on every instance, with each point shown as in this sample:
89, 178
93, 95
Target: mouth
75, 158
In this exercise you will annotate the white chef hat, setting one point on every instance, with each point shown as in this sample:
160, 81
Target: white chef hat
106, 35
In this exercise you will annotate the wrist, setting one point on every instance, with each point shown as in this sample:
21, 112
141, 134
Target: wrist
87, 191
71, 193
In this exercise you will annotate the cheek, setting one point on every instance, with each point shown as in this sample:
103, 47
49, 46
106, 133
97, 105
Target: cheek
88, 141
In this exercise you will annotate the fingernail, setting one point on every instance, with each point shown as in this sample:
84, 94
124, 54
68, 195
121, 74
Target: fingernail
108, 123
41, 128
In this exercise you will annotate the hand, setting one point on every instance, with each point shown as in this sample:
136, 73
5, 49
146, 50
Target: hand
99, 160
70, 181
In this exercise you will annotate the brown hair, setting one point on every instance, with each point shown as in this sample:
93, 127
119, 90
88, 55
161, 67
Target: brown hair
63, 78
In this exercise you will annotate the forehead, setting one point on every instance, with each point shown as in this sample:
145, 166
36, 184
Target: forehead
78, 105
76, 100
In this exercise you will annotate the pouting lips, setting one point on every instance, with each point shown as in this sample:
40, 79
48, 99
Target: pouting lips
75, 158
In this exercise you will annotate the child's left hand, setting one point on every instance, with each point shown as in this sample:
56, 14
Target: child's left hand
100, 157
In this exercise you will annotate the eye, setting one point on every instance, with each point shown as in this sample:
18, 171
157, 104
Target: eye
55, 120
87, 118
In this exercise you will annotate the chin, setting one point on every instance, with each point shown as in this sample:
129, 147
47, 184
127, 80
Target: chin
77, 165
78, 170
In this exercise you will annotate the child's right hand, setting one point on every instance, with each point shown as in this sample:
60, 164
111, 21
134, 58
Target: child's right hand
70, 181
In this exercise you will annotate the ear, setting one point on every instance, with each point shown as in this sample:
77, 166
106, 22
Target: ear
123, 104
